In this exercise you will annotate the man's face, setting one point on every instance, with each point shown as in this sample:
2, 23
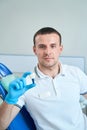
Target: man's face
48, 49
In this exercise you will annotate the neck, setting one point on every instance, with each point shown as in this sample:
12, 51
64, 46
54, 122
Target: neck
50, 71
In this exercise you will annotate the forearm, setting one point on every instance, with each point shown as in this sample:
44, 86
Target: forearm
7, 113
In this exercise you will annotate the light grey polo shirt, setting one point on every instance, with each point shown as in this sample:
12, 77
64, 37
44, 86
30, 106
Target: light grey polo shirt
54, 103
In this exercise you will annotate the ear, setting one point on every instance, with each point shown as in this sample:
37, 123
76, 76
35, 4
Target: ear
61, 49
34, 50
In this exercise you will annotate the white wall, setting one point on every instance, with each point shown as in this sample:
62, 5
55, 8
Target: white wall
20, 19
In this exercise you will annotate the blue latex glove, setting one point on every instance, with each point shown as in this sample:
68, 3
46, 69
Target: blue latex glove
16, 89
26, 74
29, 73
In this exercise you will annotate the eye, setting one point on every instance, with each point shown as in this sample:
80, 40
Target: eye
53, 46
42, 46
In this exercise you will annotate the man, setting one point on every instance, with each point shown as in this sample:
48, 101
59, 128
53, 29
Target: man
54, 101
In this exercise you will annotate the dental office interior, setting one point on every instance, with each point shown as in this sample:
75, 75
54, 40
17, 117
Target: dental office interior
20, 19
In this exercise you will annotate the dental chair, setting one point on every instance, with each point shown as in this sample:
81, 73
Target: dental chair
23, 120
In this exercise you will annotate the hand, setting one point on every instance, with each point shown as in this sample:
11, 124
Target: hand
16, 89
30, 77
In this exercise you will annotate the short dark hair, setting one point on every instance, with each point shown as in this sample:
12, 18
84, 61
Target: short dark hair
47, 30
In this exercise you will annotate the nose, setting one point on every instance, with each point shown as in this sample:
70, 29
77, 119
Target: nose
47, 50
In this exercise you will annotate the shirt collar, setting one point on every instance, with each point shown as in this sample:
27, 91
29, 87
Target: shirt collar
62, 72
41, 75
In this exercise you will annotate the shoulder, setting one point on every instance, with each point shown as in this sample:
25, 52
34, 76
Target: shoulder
71, 69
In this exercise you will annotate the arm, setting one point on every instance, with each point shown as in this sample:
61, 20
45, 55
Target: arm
7, 113
8, 109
